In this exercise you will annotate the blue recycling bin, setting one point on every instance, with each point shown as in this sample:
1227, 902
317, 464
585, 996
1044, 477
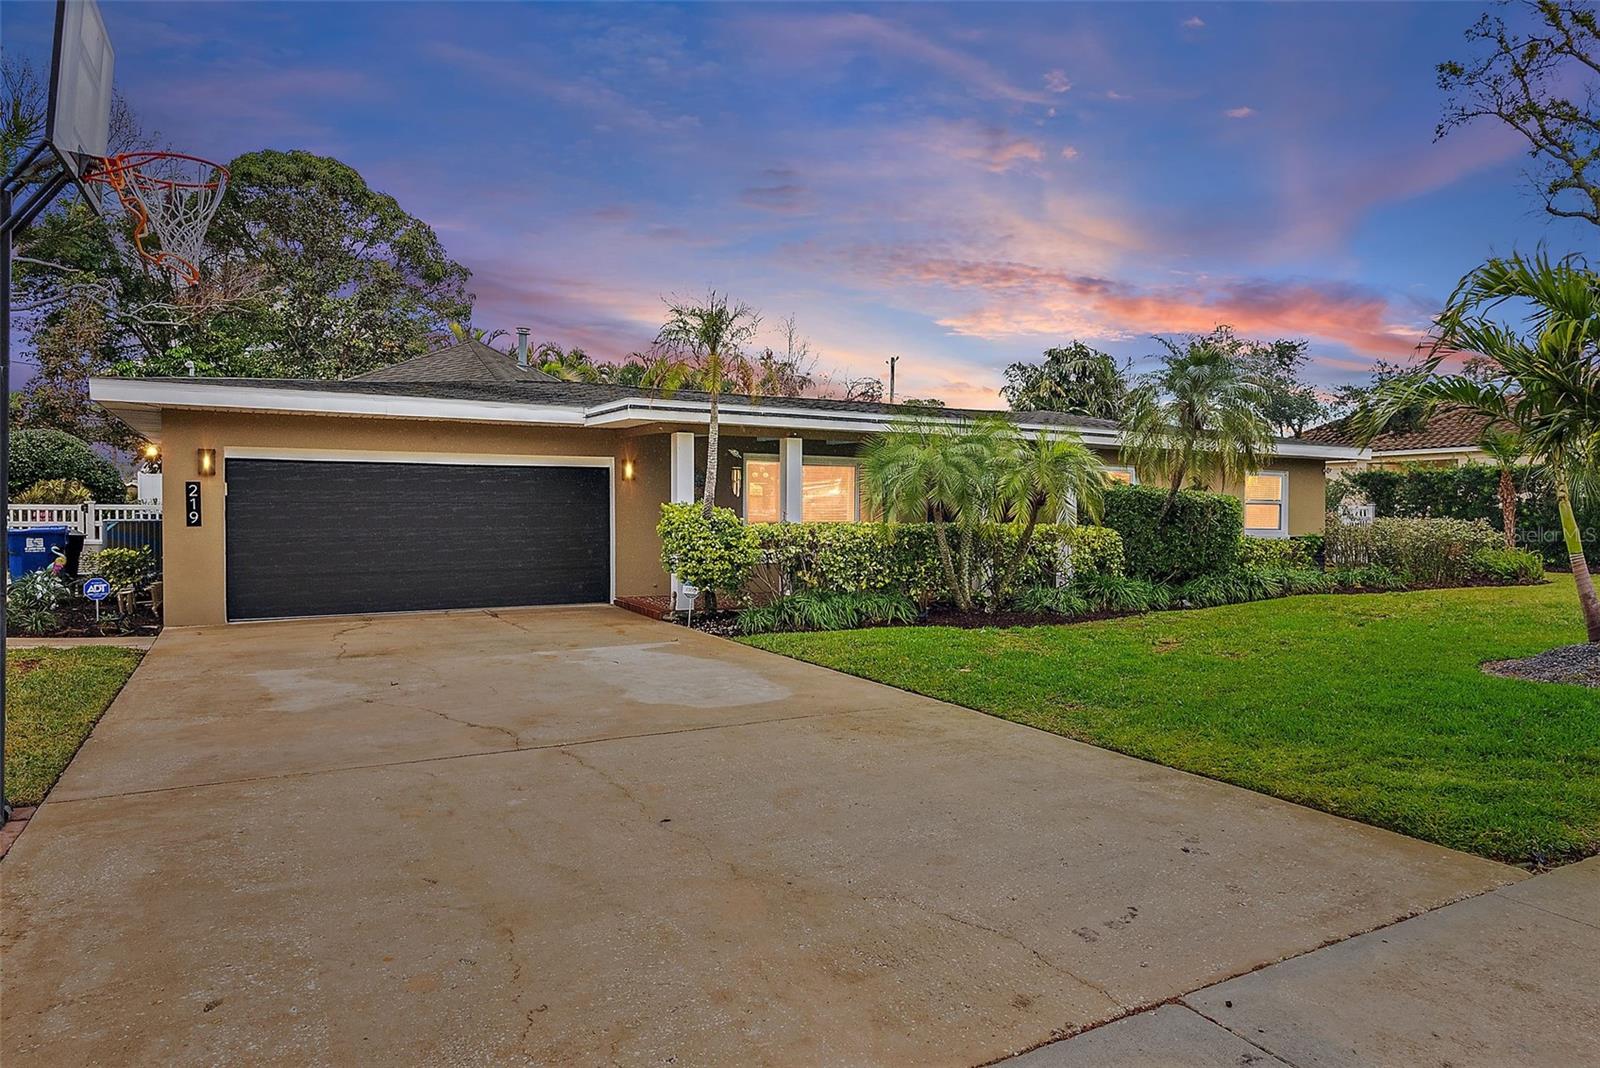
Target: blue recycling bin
34, 548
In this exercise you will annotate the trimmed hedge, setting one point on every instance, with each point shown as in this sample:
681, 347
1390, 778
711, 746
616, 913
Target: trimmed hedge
872, 557
1472, 492
1276, 552
1420, 551
1200, 534
41, 455
712, 553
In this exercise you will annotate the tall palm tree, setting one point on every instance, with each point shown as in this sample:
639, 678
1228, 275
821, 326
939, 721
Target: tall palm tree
708, 339
1504, 446
1548, 382
938, 470
459, 332
1199, 418
1045, 476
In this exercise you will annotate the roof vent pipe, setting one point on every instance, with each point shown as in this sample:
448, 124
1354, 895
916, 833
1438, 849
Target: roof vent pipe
522, 346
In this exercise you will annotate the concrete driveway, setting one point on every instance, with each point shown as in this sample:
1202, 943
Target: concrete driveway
577, 836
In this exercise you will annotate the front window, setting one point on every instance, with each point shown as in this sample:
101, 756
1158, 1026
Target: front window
829, 492
1121, 476
1266, 504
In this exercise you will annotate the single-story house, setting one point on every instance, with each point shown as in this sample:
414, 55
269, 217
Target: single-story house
463, 479
1450, 437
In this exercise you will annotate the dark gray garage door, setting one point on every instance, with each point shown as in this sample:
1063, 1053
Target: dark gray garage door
309, 538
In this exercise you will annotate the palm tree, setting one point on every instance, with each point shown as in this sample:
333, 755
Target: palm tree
1547, 385
708, 339
940, 470
1045, 476
1504, 447
459, 332
1197, 418
569, 365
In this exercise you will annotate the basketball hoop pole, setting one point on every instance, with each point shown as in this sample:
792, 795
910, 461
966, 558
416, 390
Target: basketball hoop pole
13, 218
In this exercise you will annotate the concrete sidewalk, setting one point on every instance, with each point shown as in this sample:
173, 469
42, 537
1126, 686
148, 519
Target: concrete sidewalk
1507, 978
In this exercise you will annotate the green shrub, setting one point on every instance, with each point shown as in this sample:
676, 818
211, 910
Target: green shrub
811, 610
1370, 578
1237, 585
32, 601
125, 568
1200, 534
715, 553
1507, 565
42, 455
1472, 492
1425, 552
864, 557
1121, 593
1051, 601
1314, 544
55, 491
1300, 580
1275, 552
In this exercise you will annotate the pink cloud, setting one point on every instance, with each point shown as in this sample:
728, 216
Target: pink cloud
1193, 22
1057, 81
1240, 112
994, 148
1069, 152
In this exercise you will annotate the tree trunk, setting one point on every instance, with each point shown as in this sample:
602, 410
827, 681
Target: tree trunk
942, 539
1508, 507
1003, 584
1587, 599
1172, 493
710, 498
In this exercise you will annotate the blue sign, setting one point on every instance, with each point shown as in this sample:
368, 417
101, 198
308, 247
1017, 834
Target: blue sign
96, 589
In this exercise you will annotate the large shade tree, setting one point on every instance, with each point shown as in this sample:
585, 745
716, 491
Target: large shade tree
1547, 387
1197, 419
1074, 378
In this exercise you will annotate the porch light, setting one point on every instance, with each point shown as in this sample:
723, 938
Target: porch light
736, 476
206, 461
627, 470
151, 451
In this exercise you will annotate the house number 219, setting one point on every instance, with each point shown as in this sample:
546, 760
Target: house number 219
191, 504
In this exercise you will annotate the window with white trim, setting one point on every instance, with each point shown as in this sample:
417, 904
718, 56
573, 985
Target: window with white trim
830, 490
1122, 476
1266, 504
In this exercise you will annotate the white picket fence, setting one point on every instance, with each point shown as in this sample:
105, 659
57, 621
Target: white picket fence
86, 519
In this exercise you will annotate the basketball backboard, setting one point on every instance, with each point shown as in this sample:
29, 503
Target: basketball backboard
78, 123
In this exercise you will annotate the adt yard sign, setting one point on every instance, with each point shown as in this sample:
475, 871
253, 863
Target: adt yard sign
97, 589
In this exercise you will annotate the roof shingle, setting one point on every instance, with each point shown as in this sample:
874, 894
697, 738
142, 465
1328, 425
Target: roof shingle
1449, 427
467, 361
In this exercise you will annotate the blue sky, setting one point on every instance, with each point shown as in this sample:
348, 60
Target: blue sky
960, 185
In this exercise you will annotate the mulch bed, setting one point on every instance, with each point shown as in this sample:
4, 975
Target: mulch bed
77, 621
1577, 664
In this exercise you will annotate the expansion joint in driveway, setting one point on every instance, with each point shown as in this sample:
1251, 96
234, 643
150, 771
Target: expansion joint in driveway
341, 768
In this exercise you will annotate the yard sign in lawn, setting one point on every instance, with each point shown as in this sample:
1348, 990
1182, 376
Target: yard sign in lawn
169, 196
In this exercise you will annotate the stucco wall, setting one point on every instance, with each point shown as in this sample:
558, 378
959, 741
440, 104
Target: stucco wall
194, 562
1307, 490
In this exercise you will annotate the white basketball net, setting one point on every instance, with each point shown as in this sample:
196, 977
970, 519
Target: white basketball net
171, 196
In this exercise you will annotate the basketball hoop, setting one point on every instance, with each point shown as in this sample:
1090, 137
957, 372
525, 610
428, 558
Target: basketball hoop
170, 195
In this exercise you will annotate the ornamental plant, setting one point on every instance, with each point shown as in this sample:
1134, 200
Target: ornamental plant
711, 551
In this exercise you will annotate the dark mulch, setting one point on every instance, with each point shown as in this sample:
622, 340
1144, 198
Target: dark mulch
1577, 664
77, 621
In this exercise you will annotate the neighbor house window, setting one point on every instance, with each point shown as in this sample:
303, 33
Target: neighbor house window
1266, 504
829, 491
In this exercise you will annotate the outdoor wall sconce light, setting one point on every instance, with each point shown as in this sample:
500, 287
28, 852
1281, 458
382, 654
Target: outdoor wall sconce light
736, 476
152, 451
627, 470
206, 461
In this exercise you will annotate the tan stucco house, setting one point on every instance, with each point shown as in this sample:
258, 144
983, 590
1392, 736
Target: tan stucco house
462, 479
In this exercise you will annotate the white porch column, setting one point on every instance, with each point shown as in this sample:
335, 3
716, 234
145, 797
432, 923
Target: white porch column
791, 475
681, 466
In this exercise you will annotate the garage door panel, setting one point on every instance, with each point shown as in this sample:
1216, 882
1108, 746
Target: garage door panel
324, 538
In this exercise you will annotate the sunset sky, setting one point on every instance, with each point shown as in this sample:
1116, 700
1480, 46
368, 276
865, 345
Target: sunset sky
962, 186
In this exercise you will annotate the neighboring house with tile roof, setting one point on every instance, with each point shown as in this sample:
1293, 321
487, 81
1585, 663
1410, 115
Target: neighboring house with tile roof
1450, 437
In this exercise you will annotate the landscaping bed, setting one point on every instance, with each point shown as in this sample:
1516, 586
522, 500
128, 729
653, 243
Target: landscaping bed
53, 699
1374, 708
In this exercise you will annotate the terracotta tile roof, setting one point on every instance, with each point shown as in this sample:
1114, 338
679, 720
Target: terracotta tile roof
468, 361
1449, 427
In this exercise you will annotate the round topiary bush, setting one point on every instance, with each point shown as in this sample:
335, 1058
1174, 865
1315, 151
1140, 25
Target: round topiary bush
39, 455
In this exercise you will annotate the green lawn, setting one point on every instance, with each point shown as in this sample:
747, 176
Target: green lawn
53, 698
1371, 706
